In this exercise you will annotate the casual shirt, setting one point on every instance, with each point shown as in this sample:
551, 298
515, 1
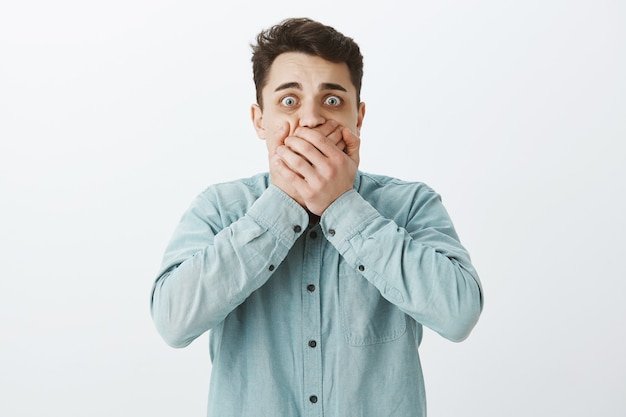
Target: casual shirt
315, 316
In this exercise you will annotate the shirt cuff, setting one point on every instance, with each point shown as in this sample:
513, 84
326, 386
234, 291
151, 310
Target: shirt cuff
280, 214
345, 217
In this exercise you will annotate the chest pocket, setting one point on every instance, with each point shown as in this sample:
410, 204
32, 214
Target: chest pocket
367, 317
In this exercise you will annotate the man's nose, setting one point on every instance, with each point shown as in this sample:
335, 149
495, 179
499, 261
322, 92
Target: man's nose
311, 115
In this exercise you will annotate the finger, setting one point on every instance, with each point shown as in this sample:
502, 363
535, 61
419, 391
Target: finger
280, 168
331, 129
296, 162
321, 143
313, 154
336, 135
341, 145
327, 127
305, 149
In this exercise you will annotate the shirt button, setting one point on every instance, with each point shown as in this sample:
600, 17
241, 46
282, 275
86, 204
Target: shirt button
271, 268
361, 268
310, 287
297, 228
331, 232
312, 343
313, 235
313, 398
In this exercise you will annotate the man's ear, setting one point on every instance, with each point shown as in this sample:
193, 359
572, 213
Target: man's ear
257, 120
359, 120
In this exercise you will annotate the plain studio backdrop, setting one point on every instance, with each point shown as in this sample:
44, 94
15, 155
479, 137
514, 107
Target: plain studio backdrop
114, 115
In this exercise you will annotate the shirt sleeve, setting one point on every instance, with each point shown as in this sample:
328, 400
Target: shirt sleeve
420, 265
208, 270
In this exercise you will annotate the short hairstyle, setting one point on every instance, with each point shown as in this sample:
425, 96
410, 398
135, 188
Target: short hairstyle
309, 37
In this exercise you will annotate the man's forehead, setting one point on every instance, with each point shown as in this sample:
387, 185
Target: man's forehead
294, 69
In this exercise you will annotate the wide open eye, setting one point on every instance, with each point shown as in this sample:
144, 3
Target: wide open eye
333, 101
288, 101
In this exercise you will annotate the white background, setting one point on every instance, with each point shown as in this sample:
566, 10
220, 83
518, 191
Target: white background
115, 114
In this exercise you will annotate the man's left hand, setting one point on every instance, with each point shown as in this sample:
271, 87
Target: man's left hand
316, 167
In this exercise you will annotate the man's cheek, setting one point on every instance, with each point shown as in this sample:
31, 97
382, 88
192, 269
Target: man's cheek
280, 131
275, 136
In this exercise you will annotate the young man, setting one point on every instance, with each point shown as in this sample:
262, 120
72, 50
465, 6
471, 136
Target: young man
315, 279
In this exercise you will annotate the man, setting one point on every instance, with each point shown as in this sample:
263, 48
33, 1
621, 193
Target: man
315, 279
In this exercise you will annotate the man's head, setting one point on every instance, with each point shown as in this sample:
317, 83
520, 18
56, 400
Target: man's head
308, 37
307, 76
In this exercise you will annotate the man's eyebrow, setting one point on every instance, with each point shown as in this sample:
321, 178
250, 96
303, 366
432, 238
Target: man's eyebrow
286, 86
332, 86
323, 86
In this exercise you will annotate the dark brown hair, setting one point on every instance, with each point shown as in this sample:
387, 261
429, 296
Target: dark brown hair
309, 37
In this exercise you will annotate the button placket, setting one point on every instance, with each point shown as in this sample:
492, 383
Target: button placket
311, 321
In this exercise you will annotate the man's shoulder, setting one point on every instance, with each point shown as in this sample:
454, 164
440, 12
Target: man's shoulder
231, 198
254, 185
396, 198
370, 182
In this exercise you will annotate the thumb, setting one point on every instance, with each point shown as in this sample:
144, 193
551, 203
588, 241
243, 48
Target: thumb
353, 143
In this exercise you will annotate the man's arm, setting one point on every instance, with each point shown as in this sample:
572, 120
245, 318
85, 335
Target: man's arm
420, 265
209, 269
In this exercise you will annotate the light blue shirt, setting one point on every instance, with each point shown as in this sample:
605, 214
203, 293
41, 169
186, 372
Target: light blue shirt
320, 319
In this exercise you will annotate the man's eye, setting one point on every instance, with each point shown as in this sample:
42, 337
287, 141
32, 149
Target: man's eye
333, 101
288, 101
